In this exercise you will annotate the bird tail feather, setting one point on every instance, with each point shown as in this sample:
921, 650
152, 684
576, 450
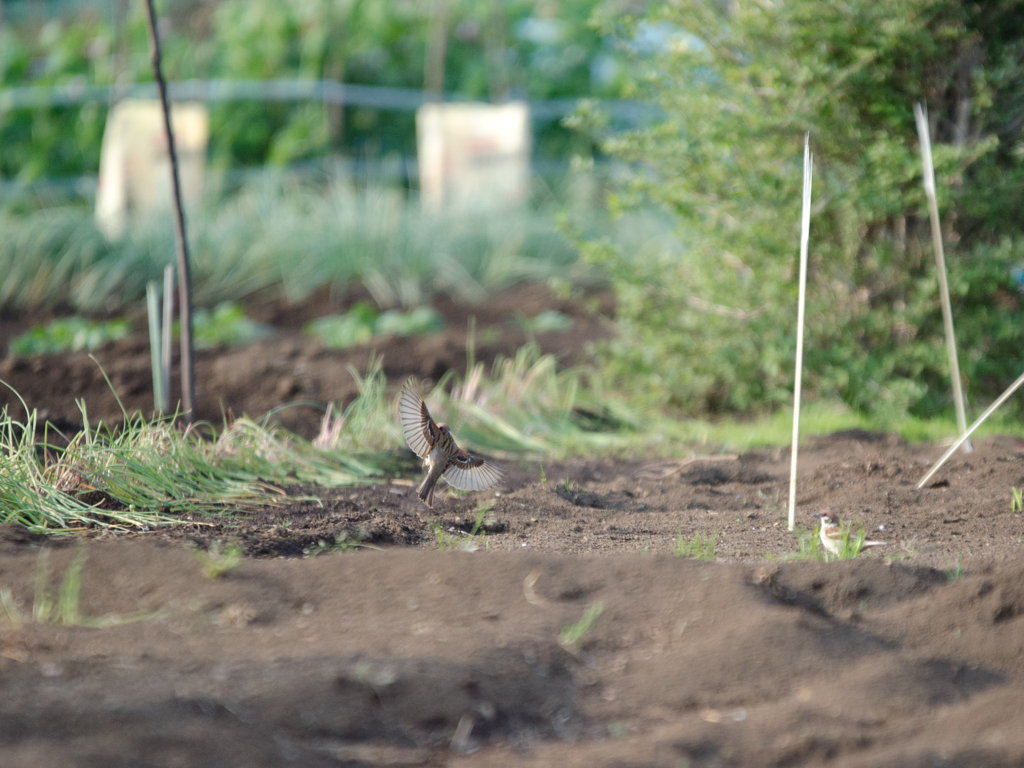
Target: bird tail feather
426, 490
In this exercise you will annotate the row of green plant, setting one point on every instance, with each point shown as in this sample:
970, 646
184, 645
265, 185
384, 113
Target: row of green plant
362, 322
491, 50
150, 472
287, 236
227, 325
708, 316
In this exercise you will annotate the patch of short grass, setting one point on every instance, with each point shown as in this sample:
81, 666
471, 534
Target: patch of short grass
218, 559
808, 545
457, 540
148, 473
61, 606
956, 573
850, 544
700, 547
817, 418
573, 634
345, 542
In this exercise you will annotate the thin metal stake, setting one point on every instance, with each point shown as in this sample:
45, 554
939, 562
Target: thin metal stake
924, 138
805, 234
188, 378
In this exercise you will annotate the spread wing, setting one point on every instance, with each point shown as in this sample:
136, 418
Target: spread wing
471, 473
420, 430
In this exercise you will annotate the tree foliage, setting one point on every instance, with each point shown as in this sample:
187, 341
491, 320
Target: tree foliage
521, 48
709, 323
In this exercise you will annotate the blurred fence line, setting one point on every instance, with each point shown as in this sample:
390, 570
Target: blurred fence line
292, 89
390, 170
623, 113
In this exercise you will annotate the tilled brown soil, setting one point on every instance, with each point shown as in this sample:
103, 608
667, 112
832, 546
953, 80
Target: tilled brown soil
289, 369
314, 652
409, 657
599, 506
414, 656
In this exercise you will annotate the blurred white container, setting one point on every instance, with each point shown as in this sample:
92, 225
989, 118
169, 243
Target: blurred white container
135, 168
473, 156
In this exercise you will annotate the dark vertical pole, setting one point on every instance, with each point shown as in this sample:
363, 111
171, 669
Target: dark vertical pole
188, 376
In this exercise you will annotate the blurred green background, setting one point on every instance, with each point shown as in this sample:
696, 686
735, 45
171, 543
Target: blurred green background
690, 212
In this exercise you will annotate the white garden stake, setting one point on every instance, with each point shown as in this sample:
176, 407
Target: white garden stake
963, 438
924, 138
805, 232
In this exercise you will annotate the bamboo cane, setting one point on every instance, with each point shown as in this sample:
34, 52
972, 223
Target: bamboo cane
940, 265
805, 231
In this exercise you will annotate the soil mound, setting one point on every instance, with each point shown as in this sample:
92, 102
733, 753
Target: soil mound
410, 657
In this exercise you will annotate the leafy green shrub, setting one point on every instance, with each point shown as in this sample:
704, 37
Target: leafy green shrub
68, 334
708, 316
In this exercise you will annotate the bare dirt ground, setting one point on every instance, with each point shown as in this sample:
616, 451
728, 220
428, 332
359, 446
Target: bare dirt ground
408, 655
290, 367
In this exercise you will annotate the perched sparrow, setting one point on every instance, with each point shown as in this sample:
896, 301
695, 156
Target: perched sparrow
831, 533
434, 443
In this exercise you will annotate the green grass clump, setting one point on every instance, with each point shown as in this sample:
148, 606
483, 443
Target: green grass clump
527, 405
345, 542
68, 334
808, 545
957, 571
572, 634
62, 606
148, 473
469, 542
810, 548
368, 426
850, 544
1017, 500
218, 560
698, 548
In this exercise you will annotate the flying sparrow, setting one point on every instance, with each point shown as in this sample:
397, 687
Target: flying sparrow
831, 533
434, 443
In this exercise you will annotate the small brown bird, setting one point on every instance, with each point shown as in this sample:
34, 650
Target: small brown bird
434, 443
831, 533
